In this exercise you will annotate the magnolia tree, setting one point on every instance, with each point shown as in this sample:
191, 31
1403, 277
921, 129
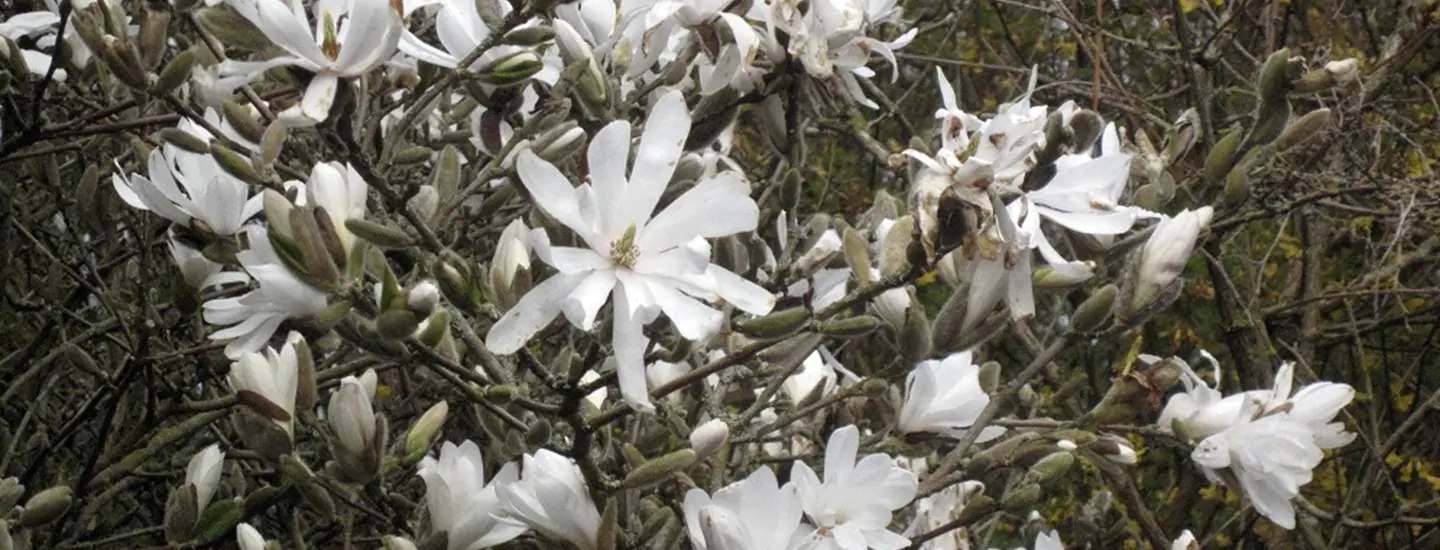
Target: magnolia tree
459, 274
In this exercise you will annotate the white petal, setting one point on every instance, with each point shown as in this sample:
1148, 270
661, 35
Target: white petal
535, 310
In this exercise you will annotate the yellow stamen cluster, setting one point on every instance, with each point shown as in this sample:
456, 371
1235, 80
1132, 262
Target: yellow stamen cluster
624, 252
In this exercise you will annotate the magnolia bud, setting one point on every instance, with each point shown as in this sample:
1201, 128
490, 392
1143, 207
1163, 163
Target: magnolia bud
857, 255
1094, 310
1022, 497
706, 439
186, 141
412, 155
1116, 450
774, 325
175, 73
1274, 81
217, 520
435, 328
1222, 157
241, 119
424, 432
352, 417
234, 164
660, 469
1303, 128
397, 324
378, 234
10, 492
1085, 128
426, 202
850, 327
46, 507
511, 70
423, 297
1054, 465
1344, 71
1165, 254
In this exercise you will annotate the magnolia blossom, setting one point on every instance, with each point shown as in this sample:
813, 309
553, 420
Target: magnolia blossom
941, 508
1186, 541
203, 472
352, 416
197, 270
460, 30
1269, 441
341, 192
461, 503
550, 497
753, 514
190, 189
254, 316
851, 509
512, 257
829, 38
273, 375
649, 265
1165, 254
818, 375
349, 39
248, 538
945, 397
1085, 191
732, 65
32, 25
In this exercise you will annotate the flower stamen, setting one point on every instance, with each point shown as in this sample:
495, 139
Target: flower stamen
624, 252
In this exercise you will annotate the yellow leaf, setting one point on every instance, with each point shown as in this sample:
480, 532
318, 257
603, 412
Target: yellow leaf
1188, 6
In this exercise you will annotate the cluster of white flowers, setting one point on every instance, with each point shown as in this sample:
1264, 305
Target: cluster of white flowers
639, 226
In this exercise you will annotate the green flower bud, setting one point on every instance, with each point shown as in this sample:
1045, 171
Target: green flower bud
218, 520
538, 433
378, 234
424, 432
511, 70
10, 492
609, 526
976, 508
850, 327
1022, 497
412, 155
175, 73
1272, 120
186, 141
1093, 312
915, 343
437, 325
1222, 157
272, 142
1237, 188
397, 324
534, 35
658, 470
989, 376
235, 164
305, 394
181, 513
774, 325
242, 121
124, 62
154, 28
857, 255
1303, 129
1275, 79
1085, 128
46, 507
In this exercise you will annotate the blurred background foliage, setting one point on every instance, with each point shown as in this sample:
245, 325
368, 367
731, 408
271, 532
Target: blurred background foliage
1333, 261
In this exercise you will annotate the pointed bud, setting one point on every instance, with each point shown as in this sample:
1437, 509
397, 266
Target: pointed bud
435, 328
1303, 129
850, 327
857, 255
1022, 497
1272, 120
1093, 312
560, 143
175, 74
1085, 128
217, 520
186, 141
511, 70
1164, 255
424, 432
1237, 188
1274, 81
915, 342
707, 439
378, 234
774, 325
989, 376
46, 507
658, 470
533, 35
412, 155
272, 142
124, 62
1053, 466
241, 119
10, 492
397, 324
181, 513
234, 164
1222, 157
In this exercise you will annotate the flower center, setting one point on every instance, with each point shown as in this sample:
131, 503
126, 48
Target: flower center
331, 45
623, 251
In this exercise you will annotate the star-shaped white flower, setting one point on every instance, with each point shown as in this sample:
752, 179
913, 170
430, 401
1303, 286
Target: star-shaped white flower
648, 264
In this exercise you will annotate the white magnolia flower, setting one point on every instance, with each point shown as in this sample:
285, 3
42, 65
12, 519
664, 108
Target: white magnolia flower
248, 538
1186, 541
820, 372
829, 38
1165, 254
203, 472
512, 254
1007, 275
460, 30
650, 265
1268, 440
35, 24
550, 497
707, 438
943, 507
349, 39
852, 509
461, 503
190, 189
253, 317
955, 124
352, 416
653, 29
273, 375
753, 514
1084, 193
945, 397
340, 190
